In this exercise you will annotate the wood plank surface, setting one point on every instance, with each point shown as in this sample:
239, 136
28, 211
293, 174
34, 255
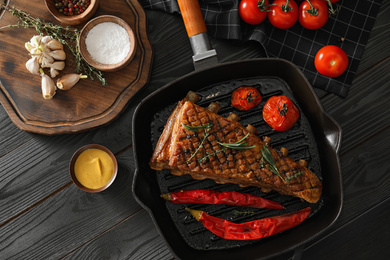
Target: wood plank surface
44, 215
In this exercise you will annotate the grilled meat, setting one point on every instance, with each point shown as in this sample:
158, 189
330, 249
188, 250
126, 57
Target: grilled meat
203, 144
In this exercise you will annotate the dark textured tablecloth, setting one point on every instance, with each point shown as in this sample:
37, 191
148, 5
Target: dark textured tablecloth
349, 29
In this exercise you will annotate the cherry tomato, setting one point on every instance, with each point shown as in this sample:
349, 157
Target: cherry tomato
283, 15
331, 61
280, 113
313, 16
245, 98
253, 11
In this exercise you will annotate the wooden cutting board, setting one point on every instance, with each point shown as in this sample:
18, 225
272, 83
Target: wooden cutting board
87, 105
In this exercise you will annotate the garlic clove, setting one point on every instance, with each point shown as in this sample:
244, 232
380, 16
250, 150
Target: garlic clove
46, 39
35, 51
29, 46
32, 65
58, 65
36, 40
66, 82
54, 73
55, 45
58, 54
48, 59
47, 86
46, 63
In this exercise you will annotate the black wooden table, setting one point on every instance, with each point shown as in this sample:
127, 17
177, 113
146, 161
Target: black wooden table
45, 216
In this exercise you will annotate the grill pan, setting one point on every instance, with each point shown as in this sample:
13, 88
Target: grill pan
315, 138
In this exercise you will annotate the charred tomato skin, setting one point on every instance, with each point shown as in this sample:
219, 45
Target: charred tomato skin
245, 98
280, 113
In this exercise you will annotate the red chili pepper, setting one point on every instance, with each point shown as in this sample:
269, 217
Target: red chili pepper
250, 230
234, 198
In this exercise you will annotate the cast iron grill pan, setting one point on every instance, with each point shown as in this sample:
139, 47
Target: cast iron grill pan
301, 141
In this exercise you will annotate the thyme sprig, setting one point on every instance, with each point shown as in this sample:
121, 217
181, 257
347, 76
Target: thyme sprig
239, 145
244, 213
296, 175
206, 134
208, 155
66, 36
267, 156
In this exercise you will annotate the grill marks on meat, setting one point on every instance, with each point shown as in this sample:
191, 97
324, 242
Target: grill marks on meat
183, 151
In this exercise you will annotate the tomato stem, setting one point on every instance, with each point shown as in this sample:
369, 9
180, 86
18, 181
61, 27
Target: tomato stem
312, 10
283, 111
249, 97
286, 8
262, 6
332, 10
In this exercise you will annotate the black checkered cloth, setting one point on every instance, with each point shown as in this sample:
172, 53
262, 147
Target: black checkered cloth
349, 29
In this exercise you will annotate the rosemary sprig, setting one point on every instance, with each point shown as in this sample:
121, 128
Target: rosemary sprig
239, 145
194, 128
66, 36
266, 153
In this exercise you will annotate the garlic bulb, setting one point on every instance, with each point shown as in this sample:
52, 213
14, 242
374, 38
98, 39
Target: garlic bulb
47, 86
32, 65
47, 52
58, 54
66, 82
55, 45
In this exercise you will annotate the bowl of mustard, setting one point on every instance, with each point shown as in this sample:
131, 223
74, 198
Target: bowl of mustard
93, 168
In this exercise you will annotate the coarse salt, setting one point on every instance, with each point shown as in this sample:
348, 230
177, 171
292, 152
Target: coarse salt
108, 43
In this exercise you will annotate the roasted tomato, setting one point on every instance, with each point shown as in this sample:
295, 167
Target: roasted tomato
280, 113
245, 98
253, 11
331, 61
283, 14
314, 14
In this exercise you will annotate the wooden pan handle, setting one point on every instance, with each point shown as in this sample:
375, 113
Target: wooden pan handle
192, 17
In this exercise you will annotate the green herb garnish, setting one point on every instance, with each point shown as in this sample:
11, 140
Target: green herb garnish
206, 134
66, 36
270, 160
239, 145
294, 176
208, 155
194, 128
245, 213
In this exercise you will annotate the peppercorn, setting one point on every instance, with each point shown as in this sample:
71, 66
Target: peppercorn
71, 7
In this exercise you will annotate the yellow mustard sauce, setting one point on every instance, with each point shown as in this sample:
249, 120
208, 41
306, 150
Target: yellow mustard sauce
94, 168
